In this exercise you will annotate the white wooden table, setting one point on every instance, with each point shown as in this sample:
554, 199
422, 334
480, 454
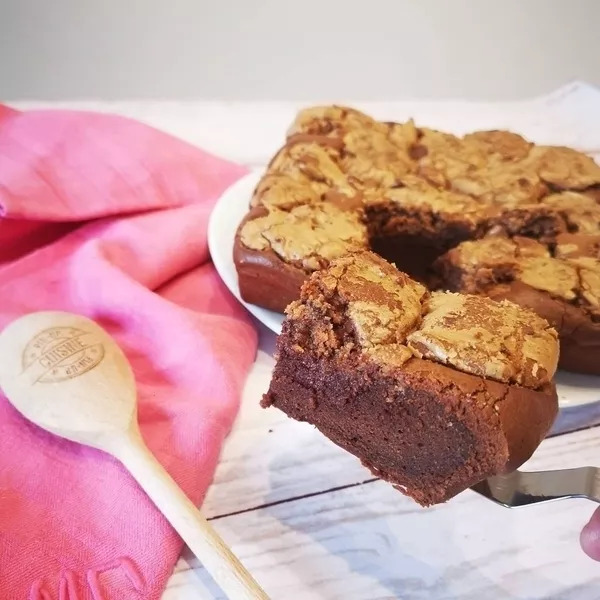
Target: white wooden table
303, 515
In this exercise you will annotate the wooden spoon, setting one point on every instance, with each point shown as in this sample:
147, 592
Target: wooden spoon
67, 375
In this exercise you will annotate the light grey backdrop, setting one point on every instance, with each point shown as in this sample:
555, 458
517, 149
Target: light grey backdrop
303, 49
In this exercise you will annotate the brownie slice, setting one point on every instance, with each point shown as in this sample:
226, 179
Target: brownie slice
433, 392
275, 250
562, 286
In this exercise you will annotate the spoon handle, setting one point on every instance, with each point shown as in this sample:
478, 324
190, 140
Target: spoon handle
186, 519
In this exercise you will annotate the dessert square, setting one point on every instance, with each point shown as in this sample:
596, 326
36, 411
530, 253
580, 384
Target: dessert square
415, 384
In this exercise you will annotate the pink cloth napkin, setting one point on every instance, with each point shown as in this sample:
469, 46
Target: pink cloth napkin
106, 217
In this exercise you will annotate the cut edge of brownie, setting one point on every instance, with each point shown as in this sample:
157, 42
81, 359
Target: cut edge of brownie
412, 239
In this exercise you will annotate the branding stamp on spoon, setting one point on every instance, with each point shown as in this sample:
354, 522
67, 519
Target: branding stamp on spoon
61, 353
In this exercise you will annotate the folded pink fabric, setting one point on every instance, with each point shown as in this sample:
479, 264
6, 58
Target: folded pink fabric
107, 217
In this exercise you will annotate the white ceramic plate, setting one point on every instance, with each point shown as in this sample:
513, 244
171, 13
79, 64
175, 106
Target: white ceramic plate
574, 391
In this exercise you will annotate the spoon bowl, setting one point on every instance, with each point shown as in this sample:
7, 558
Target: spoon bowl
67, 375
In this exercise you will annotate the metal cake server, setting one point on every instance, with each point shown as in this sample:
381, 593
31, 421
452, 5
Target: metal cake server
522, 488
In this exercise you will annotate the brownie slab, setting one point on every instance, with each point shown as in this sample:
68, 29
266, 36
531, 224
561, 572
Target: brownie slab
433, 392
410, 194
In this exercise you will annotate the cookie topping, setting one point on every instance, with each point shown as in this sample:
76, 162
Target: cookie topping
484, 181
572, 274
282, 191
418, 194
311, 163
330, 120
564, 168
573, 245
495, 340
371, 158
394, 318
307, 235
383, 304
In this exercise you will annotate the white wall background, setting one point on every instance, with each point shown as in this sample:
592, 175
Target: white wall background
304, 50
